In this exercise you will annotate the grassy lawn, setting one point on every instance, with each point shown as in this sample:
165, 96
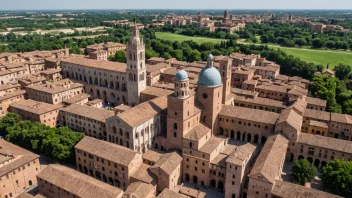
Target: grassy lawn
322, 57
180, 38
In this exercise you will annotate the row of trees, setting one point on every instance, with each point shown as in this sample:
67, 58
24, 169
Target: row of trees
291, 35
56, 143
336, 176
32, 42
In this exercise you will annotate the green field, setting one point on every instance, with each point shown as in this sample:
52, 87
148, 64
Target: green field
322, 57
180, 38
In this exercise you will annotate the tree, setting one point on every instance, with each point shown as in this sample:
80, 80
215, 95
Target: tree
317, 43
194, 56
10, 119
120, 56
337, 177
57, 143
342, 71
75, 50
303, 171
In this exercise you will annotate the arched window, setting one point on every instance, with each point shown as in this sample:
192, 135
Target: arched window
175, 126
190, 144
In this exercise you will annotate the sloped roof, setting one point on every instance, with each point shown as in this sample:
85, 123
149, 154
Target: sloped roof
109, 151
270, 158
78, 183
168, 163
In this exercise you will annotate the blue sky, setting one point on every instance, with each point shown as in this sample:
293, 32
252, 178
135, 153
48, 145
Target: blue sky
174, 4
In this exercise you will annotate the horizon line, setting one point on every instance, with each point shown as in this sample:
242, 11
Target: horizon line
180, 9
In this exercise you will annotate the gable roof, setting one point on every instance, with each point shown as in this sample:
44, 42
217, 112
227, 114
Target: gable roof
109, 151
78, 183
270, 159
168, 163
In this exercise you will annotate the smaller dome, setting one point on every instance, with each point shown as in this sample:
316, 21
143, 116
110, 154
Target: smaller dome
210, 57
181, 75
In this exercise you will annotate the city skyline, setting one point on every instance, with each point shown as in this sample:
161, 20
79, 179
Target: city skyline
181, 4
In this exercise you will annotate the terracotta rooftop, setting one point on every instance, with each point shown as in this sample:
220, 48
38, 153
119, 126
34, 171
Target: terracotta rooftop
21, 156
220, 160
243, 92
78, 183
157, 67
152, 156
9, 86
273, 88
341, 118
267, 68
105, 65
290, 190
166, 193
318, 124
316, 101
282, 77
197, 132
244, 56
328, 71
190, 192
90, 112
270, 159
139, 190
144, 174
51, 71
211, 145
93, 102
155, 91
76, 98
142, 112
325, 142
241, 154
54, 88
292, 118
12, 65
13, 94
109, 151
35, 107
168, 163
27, 195
249, 114
157, 59
260, 101
318, 115
243, 72
250, 82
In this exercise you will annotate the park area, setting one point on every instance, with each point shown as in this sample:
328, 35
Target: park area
321, 57
177, 37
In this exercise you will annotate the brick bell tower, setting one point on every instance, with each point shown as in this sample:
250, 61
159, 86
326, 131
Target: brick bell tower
225, 72
136, 70
181, 111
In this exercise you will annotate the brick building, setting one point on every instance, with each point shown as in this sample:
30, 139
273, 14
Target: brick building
18, 169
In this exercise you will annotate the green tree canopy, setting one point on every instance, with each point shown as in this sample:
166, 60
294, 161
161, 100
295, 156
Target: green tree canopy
337, 177
120, 56
303, 171
57, 143
342, 71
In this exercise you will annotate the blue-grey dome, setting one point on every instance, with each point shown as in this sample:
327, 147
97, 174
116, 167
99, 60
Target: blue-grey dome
181, 75
209, 77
